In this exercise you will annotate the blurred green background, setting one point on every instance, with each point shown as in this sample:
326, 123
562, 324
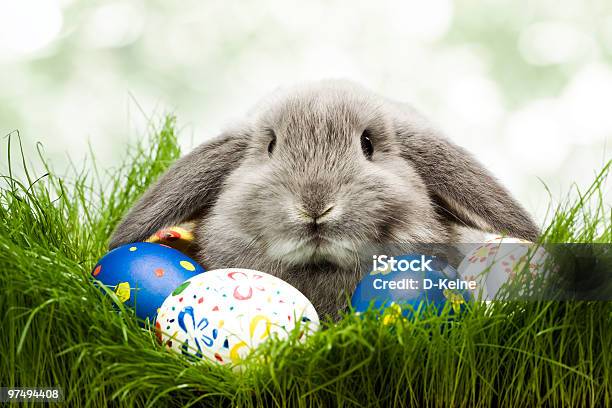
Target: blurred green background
525, 85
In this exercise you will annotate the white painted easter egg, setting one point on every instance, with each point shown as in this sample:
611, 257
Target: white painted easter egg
223, 314
497, 261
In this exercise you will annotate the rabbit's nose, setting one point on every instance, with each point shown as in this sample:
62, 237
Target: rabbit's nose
316, 214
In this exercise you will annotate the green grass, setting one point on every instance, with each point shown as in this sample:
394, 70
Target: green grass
57, 329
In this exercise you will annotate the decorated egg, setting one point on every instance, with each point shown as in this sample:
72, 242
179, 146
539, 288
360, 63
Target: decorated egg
223, 314
142, 274
499, 260
178, 237
410, 280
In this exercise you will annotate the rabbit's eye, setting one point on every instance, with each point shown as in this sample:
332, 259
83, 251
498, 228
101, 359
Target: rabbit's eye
272, 143
366, 144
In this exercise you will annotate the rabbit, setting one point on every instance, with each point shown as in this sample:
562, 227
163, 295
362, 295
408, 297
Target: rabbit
313, 178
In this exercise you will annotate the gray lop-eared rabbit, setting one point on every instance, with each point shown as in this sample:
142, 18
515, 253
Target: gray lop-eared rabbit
315, 175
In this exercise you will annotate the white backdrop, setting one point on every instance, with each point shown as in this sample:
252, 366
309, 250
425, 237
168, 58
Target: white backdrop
525, 85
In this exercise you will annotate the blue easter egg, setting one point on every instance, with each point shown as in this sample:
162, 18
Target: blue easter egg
142, 274
416, 280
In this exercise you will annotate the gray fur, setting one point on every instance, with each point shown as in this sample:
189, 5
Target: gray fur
255, 210
187, 189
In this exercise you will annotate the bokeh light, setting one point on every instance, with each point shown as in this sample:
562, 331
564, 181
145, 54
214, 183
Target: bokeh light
27, 26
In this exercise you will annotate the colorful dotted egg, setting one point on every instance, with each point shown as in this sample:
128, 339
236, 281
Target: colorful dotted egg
178, 237
406, 290
498, 261
223, 314
142, 274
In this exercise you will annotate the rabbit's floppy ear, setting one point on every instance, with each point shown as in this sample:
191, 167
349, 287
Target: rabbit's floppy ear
188, 188
465, 191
